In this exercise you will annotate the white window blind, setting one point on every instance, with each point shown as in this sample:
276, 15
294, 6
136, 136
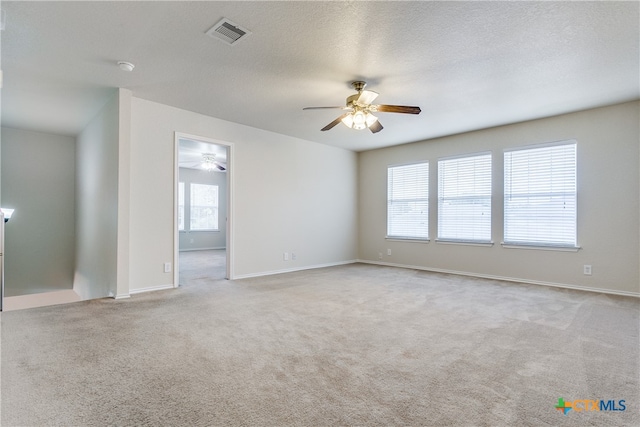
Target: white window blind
408, 201
464, 198
181, 206
540, 196
203, 207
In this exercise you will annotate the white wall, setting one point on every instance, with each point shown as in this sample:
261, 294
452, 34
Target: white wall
97, 204
124, 192
38, 180
196, 240
608, 203
289, 195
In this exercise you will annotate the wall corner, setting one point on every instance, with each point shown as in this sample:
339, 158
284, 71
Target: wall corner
124, 186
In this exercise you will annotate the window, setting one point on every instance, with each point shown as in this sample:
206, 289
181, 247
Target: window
464, 199
408, 201
204, 207
540, 196
181, 206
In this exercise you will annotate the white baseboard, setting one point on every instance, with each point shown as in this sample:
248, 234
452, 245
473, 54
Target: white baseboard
507, 279
200, 249
291, 270
151, 289
122, 296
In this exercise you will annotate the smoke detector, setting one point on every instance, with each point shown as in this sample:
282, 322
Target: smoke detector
227, 31
126, 66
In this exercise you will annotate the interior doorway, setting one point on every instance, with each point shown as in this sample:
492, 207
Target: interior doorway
202, 209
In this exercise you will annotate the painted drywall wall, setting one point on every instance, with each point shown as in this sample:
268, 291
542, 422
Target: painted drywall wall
289, 195
198, 240
97, 204
38, 180
124, 175
608, 203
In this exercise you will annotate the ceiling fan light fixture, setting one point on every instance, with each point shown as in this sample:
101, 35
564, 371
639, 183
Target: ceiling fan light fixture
359, 120
209, 162
348, 120
370, 119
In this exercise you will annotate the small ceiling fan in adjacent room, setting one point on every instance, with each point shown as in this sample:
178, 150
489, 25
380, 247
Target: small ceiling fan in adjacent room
202, 161
359, 110
210, 163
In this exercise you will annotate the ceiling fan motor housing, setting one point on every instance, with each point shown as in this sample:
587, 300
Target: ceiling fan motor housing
358, 85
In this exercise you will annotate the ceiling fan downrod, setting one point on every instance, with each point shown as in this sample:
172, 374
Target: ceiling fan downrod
359, 85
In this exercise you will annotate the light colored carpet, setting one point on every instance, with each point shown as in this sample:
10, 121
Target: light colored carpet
352, 345
202, 265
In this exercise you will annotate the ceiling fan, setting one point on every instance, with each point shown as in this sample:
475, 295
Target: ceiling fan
204, 161
210, 163
359, 110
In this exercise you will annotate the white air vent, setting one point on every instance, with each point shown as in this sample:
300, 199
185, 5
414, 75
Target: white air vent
228, 31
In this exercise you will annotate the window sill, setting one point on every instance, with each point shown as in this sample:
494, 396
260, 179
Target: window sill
541, 247
463, 242
406, 239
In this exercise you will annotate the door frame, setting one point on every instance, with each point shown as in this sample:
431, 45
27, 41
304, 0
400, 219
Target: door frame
230, 215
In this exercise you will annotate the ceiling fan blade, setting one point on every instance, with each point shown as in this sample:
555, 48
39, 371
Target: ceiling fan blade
376, 127
367, 97
398, 109
323, 108
333, 123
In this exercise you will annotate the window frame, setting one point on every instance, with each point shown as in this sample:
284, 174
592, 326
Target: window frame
548, 245
216, 207
182, 207
389, 201
442, 198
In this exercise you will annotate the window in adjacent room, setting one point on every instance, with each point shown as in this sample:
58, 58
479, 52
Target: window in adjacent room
540, 196
464, 199
203, 207
181, 206
408, 201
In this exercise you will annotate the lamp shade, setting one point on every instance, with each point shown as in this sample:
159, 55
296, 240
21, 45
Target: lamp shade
370, 119
348, 120
7, 213
359, 120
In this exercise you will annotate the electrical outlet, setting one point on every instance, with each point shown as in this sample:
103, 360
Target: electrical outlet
293, 256
167, 267
587, 270
286, 256
389, 252
379, 255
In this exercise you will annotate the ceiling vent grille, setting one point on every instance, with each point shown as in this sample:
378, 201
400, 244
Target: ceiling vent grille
228, 31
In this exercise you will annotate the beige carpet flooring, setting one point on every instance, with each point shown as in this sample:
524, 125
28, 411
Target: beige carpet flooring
202, 265
352, 345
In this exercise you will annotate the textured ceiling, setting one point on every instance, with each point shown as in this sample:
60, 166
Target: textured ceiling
468, 65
